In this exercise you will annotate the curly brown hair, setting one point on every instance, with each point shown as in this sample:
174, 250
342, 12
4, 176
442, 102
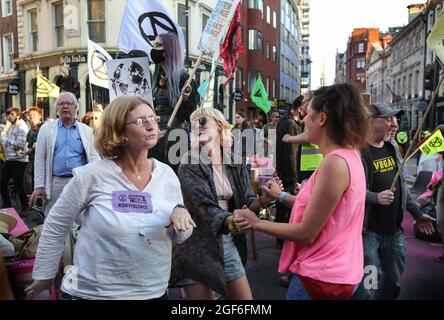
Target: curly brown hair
347, 115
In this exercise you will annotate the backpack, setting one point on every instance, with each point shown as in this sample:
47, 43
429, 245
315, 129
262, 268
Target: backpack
25, 244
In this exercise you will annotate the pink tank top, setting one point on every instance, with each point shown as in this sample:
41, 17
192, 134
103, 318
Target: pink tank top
336, 256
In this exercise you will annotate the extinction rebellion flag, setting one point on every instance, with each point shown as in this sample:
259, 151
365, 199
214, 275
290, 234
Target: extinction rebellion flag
141, 23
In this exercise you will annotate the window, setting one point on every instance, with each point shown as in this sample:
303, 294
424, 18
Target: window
8, 52
239, 79
204, 21
254, 40
96, 21
182, 17
360, 63
34, 32
252, 77
268, 15
6, 8
267, 50
274, 88
267, 86
404, 86
256, 4
274, 19
360, 76
274, 53
360, 47
416, 83
58, 25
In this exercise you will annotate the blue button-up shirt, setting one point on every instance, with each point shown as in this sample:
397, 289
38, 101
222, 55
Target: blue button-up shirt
68, 152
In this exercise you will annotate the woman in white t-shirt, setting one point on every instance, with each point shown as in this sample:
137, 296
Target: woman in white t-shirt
133, 211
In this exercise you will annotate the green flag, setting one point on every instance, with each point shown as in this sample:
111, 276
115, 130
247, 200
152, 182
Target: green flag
260, 96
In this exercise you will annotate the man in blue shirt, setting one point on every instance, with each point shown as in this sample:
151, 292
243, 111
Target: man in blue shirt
62, 146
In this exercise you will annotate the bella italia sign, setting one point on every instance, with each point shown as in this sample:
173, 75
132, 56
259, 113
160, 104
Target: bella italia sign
73, 59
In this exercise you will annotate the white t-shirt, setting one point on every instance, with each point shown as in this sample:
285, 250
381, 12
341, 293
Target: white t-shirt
120, 253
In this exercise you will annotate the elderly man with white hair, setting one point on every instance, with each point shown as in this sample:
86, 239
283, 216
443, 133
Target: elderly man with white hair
62, 146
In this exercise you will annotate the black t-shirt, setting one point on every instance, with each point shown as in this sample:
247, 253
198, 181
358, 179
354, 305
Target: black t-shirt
384, 219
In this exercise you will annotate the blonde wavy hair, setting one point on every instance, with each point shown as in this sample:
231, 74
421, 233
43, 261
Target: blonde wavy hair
224, 126
109, 141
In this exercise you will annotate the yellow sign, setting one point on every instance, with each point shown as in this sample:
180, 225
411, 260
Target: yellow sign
434, 144
46, 88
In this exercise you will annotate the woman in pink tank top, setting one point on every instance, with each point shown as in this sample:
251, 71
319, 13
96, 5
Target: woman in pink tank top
323, 245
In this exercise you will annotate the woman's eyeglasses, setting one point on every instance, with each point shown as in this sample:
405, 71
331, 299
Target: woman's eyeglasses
142, 122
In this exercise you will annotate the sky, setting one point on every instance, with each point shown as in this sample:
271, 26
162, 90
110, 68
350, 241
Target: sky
332, 22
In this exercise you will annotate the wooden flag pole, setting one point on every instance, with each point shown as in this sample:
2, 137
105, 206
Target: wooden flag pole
418, 132
179, 102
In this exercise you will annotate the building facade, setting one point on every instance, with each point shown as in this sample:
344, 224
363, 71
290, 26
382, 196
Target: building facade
9, 84
290, 49
406, 69
53, 35
339, 68
260, 22
358, 47
305, 46
378, 75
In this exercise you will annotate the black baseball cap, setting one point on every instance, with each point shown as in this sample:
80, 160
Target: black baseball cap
382, 110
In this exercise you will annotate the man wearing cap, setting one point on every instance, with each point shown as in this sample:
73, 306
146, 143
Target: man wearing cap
62, 146
383, 236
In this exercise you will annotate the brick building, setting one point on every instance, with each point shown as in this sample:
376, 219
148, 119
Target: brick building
260, 34
358, 48
9, 86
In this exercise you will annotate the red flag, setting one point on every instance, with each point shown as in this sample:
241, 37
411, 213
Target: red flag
232, 46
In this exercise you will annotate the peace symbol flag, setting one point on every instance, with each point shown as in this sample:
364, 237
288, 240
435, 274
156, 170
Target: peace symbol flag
434, 144
97, 57
46, 88
141, 23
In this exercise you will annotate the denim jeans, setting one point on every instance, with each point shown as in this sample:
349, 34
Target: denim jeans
386, 254
296, 290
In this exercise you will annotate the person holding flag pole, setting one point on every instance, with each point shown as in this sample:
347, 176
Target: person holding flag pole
434, 41
385, 206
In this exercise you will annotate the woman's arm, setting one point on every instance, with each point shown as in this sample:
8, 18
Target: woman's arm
199, 199
332, 181
58, 223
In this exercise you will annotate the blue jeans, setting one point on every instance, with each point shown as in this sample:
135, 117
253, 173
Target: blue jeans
296, 290
386, 254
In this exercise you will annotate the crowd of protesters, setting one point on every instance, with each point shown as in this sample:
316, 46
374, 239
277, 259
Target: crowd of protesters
145, 222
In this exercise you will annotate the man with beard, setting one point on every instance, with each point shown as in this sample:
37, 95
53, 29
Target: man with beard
14, 143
